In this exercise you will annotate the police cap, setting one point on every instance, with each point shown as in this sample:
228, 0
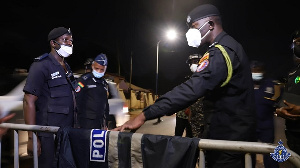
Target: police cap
57, 32
193, 57
201, 12
101, 59
256, 64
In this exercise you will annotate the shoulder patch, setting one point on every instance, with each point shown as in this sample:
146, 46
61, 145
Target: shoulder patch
205, 57
202, 65
78, 89
41, 57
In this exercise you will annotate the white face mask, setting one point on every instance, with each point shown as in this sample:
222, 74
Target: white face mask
194, 37
193, 67
98, 74
65, 50
257, 76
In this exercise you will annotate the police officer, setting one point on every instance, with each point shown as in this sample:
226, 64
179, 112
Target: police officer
92, 96
49, 97
88, 65
267, 94
291, 110
196, 110
223, 76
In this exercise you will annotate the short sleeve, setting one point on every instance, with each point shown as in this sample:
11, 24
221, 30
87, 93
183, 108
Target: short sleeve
35, 79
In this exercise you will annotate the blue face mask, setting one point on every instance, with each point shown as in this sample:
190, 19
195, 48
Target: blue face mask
257, 76
98, 74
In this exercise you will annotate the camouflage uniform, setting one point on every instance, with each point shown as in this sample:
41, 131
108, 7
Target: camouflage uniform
181, 114
197, 118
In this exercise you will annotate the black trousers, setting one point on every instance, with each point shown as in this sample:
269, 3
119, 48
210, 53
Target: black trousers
182, 124
46, 158
293, 141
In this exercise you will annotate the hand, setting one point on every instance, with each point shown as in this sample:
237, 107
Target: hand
30, 147
291, 111
134, 123
4, 130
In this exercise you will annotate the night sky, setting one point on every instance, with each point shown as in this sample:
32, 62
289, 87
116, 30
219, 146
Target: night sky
125, 29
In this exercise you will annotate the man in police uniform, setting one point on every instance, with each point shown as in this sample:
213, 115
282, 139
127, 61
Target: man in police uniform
267, 94
223, 76
291, 110
92, 96
49, 97
197, 114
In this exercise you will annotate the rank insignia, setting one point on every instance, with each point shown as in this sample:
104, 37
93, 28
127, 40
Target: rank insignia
280, 153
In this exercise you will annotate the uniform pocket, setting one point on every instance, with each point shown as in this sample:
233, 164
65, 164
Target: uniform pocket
91, 115
57, 115
58, 93
58, 109
57, 82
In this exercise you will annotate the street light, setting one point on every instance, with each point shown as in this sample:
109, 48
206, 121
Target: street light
171, 35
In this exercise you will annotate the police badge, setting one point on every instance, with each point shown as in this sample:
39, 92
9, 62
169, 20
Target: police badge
280, 153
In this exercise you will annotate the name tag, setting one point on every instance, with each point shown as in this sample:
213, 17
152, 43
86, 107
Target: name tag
55, 75
91, 86
98, 145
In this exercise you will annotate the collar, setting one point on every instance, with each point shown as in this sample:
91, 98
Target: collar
54, 61
218, 38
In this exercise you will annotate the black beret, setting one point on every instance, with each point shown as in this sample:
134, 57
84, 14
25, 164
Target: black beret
201, 12
57, 32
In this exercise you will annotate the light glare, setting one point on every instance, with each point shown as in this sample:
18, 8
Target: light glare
171, 34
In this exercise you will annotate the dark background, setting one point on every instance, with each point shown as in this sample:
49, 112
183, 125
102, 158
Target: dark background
125, 29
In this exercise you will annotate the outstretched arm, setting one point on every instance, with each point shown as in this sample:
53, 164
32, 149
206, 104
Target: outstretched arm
291, 111
134, 123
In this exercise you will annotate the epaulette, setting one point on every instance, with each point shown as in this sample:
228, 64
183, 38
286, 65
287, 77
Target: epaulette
86, 76
105, 82
41, 57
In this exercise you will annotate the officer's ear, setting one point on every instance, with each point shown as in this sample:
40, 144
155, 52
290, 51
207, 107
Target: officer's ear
211, 24
52, 44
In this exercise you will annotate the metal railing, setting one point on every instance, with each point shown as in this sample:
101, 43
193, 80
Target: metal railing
25, 127
204, 144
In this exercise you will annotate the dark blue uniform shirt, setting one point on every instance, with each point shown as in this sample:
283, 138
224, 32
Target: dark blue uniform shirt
266, 98
92, 102
47, 80
234, 116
